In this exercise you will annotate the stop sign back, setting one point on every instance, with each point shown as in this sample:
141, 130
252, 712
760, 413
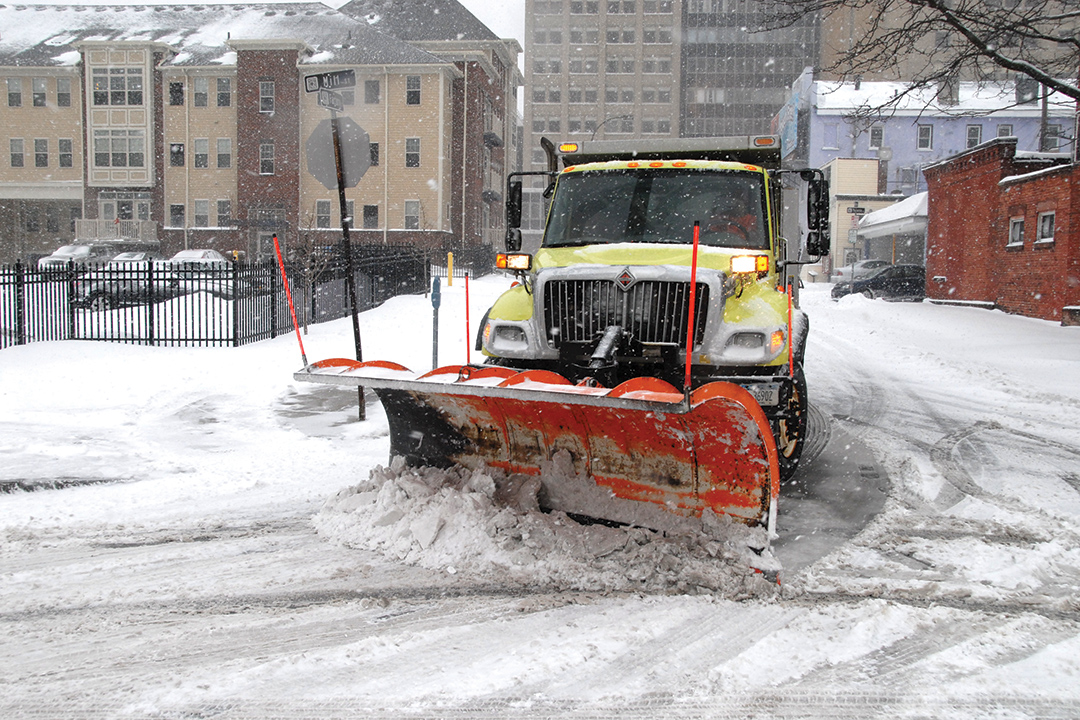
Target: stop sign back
355, 153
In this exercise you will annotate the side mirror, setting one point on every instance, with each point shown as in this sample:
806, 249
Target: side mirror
513, 203
817, 204
513, 240
816, 243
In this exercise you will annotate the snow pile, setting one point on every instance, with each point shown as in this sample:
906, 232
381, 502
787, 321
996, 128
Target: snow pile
489, 525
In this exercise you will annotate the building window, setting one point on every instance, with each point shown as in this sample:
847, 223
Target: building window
65, 154
224, 92
412, 214
372, 90
1052, 139
412, 152
371, 217
412, 90
974, 135
1046, 227
41, 153
224, 213
202, 152
202, 213
39, 86
176, 155
176, 216
224, 152
1005, 130
1016, 232
926, 137
63, 92
16, 145
266, 96
322, 213
119, 148
374, 148
877, 137
200, 95
176, 93
14, 92
266, 158
52, 218
117, 86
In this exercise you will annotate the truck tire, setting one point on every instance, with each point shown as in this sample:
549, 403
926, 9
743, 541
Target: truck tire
789, 427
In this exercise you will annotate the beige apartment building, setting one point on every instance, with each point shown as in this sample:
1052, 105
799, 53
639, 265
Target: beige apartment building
191, 125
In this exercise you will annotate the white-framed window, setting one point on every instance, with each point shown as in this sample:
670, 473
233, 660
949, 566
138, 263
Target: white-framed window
1052, 139
1016, 232
117, 86
14, 92
40, 91
202, 152
120, 148
1045, 232
266, 157
41, 152
925, 137
877, 137
224, 152
974, 135
200, 93
63, 92
176, 154
224, 213
412, 214
202, 213
323, 208
412, 89
266, 96
176, 93
224, 92
412, 152
1005, 130
16, 146
65, 152
176, 215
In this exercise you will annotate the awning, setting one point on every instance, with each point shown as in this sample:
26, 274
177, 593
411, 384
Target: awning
904, 218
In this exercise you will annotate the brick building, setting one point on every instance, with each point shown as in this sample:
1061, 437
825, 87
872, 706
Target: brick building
189, 124
1004, 228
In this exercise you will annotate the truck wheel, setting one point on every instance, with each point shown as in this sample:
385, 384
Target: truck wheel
790, 429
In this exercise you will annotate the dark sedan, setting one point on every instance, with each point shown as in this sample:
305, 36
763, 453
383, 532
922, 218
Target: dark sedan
895, 282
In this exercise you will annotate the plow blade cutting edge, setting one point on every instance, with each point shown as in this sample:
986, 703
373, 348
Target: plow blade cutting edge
639, 453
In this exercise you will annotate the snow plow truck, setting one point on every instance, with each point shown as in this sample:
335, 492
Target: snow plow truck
646, 365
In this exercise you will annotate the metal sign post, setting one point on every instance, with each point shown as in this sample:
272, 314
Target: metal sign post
324, 84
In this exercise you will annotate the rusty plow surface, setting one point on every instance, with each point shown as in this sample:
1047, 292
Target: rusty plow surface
637, 453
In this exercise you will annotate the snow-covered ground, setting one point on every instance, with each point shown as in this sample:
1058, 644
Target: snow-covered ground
191, 533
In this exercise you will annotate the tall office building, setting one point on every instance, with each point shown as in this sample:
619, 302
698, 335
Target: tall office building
611, 69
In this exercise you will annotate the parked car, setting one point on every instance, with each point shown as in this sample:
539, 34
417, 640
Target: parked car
130, 278
861, 269
82, 254
192, 271
894, 282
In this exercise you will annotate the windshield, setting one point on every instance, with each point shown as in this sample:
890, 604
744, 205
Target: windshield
658, 206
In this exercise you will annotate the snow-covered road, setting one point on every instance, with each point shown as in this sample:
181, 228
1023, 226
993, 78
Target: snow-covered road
175, 569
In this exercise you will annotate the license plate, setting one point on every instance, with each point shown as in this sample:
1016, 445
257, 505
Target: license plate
765, 393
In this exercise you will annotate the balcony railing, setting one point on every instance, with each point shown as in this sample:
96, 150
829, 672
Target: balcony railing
145, 230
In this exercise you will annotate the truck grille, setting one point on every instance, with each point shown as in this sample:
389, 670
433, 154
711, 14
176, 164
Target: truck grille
652, 311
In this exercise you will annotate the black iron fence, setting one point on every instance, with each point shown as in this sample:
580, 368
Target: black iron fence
219, 304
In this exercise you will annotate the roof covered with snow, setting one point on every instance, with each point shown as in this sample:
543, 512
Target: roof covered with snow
420, 20
49, 35
835, 97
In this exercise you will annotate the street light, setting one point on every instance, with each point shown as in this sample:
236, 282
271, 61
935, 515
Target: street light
607, 120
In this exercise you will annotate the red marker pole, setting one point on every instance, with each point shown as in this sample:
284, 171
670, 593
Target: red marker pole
288, 295
690, 317
468, 345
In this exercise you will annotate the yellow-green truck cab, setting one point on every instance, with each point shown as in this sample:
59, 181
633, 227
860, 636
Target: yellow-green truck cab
607, 296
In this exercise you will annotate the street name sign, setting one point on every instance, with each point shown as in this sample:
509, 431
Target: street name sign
330, 80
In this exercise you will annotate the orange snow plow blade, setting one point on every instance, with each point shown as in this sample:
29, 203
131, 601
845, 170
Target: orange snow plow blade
638, 453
